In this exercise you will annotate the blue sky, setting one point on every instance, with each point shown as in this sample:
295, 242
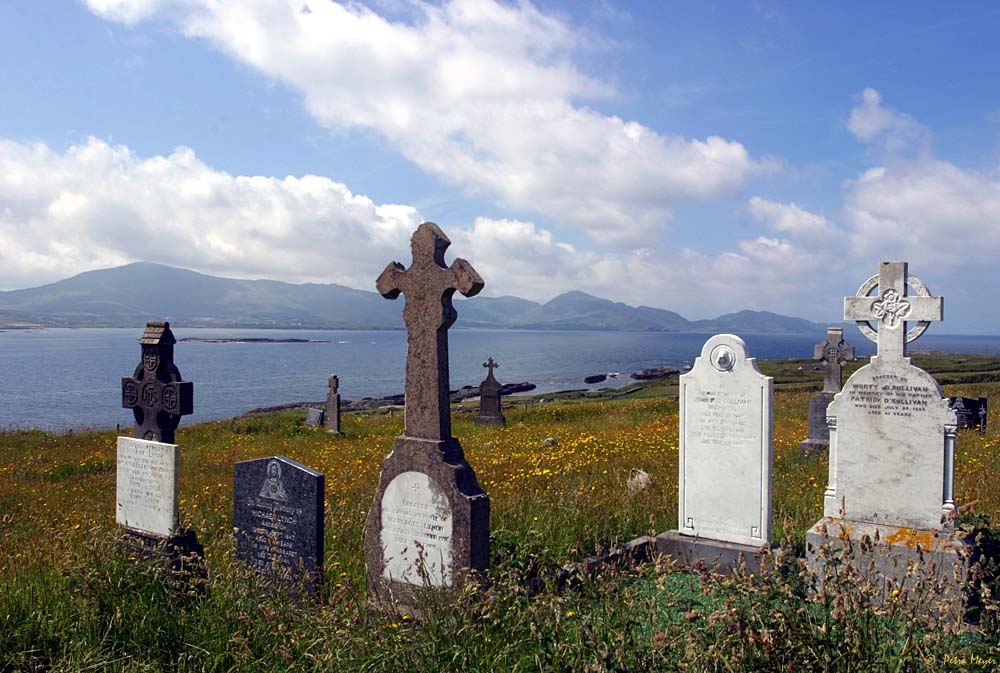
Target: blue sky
698, 157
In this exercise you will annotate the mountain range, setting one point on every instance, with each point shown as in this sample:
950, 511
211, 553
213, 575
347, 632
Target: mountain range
130, 295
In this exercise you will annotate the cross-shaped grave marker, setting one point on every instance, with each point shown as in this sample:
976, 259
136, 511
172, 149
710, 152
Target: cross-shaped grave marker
491, 365
155, 392
428, 285
834, 353
892, 308
429, 524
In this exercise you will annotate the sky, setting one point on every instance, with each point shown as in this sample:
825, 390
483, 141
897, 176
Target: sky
699, 157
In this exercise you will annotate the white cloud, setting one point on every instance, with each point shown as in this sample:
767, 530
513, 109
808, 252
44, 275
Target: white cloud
873, 122
98, 205
480, 94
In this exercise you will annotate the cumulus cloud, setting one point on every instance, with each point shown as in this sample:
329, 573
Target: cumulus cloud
481, 94
874, 123
97, 205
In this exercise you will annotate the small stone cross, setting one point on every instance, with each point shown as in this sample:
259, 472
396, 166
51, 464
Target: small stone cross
834, 353
155, 392
892, 307
491, 365
428, 285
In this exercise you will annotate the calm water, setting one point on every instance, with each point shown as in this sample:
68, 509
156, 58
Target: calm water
70, 378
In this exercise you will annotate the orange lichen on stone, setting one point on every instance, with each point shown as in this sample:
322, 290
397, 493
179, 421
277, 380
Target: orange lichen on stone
911, 537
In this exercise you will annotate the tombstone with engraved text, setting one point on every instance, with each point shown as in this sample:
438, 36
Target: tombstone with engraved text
892, 439
147, 465
278, 520
726, 454
428, 526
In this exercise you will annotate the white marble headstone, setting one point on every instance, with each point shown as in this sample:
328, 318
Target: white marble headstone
726, 450
416, 531
888, 438
147, 486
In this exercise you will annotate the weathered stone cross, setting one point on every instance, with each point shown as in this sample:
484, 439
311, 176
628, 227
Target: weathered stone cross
892, 307
834, 353
155, 392
491, 365
428, 285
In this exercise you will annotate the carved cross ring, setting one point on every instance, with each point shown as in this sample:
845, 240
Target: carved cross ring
891, 309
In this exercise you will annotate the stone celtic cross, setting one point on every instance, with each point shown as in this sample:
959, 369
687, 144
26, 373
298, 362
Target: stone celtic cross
155, 392
428, 285
892, 307
834, 353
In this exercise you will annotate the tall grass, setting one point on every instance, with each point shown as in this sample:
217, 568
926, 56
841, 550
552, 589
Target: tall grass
71, 598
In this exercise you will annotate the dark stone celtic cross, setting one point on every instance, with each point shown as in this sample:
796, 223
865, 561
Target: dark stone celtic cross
155, 392
428, 285
834, 353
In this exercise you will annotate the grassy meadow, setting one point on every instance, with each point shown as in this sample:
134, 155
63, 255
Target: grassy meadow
72, 600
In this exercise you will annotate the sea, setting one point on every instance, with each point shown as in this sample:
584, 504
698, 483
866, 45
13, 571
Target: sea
62, 379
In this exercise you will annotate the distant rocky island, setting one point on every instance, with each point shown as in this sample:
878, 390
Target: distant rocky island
253, 340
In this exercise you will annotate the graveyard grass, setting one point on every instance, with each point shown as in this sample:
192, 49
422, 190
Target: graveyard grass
72, 600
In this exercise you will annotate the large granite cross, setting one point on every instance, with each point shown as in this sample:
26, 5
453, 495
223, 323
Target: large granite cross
155, 392
428, 285
834, 353
892, 308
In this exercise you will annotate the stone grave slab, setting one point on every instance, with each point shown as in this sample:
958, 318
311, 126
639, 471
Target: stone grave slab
428, 526
314, 417
892, 440
146, 493
726, 454
278, 520
970, 412
834, 353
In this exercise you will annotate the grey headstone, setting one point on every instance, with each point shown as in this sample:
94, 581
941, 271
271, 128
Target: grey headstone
834, 353
278, 519
489, 398
428, 525
155, 392
314, 417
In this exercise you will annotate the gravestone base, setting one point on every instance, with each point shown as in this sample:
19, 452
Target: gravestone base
443, 463
819, 432
943, 555
490, 420
181, 553
722, 557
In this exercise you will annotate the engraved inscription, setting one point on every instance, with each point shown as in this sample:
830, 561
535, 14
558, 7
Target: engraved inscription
724, 418
416, 531
890, 395
274, 540
146, 491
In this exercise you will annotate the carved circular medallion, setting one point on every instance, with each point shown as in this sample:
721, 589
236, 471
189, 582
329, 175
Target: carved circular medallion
723, 358
149, 396
150, 435
169, 397
130, 394
892, 309
150, 361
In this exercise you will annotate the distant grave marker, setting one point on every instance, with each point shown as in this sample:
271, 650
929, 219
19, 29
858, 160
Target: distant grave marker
834, 353
278, 518
726, 455
970, 412
489, 398
314, 417
428, 525
333, 405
